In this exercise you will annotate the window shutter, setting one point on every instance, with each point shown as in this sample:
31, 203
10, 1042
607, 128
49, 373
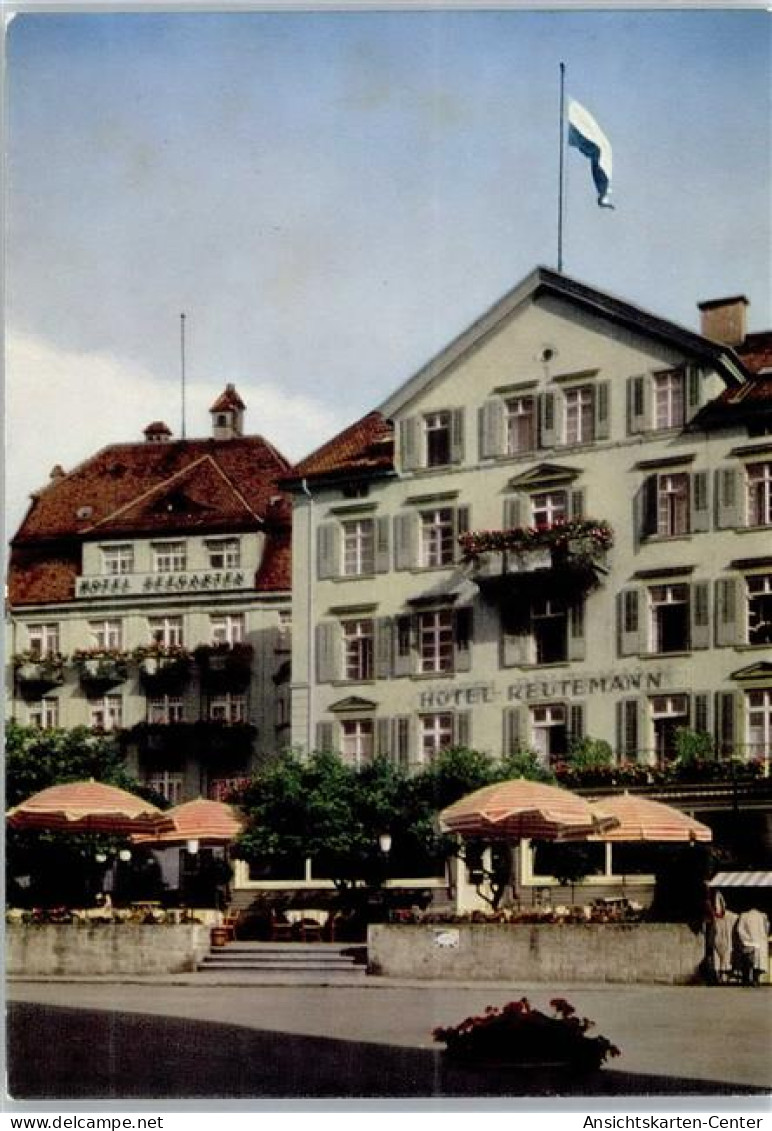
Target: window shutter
512, 512
383, 733
401, 746
645, 510
728, 598
405, 529
513, 738
636, 404
548, 430
404, 645
728, 498
576, 723
492, 428
462, 624
327, 652
627, 729
462, 728
327, 550
700, 614
409, 437
701, 720
629, 614
700, 516
693, 389
725, 723
383, 637
602, 424
577, 504
463, 520
576, 636
457, 435
324, 737
382, 547
514, 641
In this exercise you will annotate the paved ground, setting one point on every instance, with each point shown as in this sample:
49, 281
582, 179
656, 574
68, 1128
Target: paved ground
119, 1041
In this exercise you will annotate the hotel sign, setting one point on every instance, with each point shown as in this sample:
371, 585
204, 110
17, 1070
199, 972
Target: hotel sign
162, 584
530, 690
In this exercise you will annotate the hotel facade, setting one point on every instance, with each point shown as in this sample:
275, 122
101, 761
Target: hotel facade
561, 527
148, 595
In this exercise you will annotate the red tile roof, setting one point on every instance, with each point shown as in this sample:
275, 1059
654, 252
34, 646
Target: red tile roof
132, 490
367, 445
227, 399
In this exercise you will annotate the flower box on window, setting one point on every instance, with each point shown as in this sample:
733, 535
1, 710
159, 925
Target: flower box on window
36, 672
225, 665
162, 665
101, 666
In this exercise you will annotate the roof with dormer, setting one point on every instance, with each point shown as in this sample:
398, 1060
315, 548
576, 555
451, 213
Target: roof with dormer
228, 399
145, 489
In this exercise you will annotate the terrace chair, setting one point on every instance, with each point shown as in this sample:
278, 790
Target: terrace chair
281, 928
230, 923
310, 930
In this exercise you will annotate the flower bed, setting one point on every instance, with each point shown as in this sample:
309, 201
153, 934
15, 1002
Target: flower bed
593, 537
518, 1034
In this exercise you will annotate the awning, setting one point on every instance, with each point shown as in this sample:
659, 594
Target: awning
741, 880
460, 589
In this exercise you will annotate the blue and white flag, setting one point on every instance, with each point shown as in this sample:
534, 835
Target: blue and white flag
585, 134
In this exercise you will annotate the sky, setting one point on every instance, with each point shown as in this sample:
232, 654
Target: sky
331, 197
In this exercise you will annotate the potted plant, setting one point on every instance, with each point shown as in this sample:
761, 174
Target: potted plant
517, 1035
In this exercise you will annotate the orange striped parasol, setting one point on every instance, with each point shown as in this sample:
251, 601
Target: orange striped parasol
520, 808
210, 822
87, 807
640, 819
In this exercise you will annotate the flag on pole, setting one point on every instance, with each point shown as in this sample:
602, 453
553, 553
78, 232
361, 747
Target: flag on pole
585, 134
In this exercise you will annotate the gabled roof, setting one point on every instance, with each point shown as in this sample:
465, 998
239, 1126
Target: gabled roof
365, 447
121, 476
543, 281
134, 490
545, 473
228, 399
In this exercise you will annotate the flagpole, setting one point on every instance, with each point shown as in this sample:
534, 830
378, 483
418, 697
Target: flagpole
560, 173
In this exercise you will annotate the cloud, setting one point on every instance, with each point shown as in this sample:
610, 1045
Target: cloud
62, 406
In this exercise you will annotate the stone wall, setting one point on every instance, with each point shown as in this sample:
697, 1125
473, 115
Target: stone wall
636, 952
125, 948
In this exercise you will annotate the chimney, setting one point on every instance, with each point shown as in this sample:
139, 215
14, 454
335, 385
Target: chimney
157, 433
724, 320
228, 414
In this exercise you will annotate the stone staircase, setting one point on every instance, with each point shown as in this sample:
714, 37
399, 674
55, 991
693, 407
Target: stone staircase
293, 963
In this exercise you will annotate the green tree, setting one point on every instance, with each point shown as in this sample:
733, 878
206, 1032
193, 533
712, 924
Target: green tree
58, 868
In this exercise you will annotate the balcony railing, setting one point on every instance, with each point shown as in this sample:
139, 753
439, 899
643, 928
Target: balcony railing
162, 666
101, 668
36, 674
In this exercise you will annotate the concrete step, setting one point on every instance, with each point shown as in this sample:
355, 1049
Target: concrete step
277, 967
273, 956
277, 963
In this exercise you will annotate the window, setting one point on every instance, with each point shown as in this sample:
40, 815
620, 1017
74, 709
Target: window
43, 639
669, 618
436, 734
118, 559
106, 713
106, 633
167, 783
357, 741
521, 425
435, 641
549, 731
672, 505
165, 709
437, 432
437, 541
759, 705
284, 632
358, 649
579, 415
44, 714
166, 631
549, 625
169, 557
228, 708
760, 494
668, 714
549, 507
224, 553
227, 628
760, 609
358, 547
669, 400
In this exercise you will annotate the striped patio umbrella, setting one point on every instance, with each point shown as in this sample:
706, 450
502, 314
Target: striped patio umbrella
639, 819
209, 822
518, 809
87, 807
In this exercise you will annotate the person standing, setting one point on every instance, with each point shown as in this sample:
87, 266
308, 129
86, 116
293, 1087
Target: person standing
753, 937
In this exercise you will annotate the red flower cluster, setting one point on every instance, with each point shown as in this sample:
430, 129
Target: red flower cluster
518, 1034
596, 533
